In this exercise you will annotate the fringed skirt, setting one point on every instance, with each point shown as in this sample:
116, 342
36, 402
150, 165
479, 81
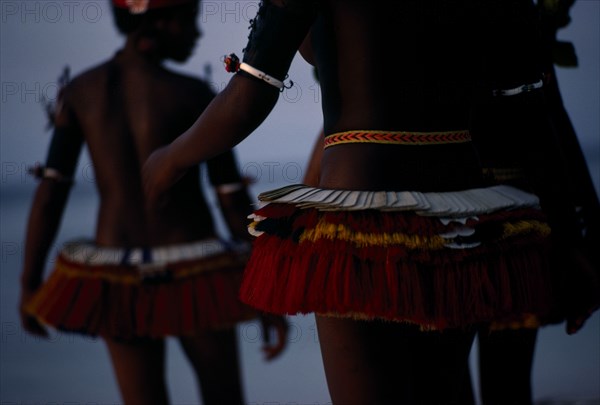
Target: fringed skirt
178, 290
438, 260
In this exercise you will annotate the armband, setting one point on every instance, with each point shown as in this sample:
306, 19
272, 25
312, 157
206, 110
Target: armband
233, 65
230, 188
275, 36
526, 88
41, 172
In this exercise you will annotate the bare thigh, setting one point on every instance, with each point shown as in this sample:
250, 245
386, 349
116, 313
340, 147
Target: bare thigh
373, 362
139, 366
214, 357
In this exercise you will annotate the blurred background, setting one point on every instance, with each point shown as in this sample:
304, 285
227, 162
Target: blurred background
39, 38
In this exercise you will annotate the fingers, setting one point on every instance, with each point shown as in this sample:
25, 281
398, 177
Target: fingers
272, 350
31, 325
158, 176
575, 324
149, 176
28, 321
582, 290
578, 315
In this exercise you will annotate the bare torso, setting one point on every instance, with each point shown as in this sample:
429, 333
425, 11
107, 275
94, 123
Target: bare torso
126, 108
401, 66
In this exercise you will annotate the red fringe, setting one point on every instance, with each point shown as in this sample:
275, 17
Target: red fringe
448, 288
182, 306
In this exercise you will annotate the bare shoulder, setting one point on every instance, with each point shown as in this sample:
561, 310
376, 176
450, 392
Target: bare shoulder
83, 86
74, 93
190, 89
200, 87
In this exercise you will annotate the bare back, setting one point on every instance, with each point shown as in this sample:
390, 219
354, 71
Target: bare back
126, 109
402, 66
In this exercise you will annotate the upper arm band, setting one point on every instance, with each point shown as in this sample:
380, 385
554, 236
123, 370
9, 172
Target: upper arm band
63, 153
275, 36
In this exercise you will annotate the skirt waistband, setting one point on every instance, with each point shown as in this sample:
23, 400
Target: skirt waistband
462, 203
86, 252
398, 137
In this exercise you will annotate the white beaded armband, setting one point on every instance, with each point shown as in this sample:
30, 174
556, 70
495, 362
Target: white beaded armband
261, 75
232, 65
41, 172
526, 88
229, 188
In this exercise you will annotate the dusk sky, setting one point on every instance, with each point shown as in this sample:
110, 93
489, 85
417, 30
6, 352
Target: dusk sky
39, 38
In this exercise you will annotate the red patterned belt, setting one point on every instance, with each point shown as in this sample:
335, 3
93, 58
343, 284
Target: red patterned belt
398, 137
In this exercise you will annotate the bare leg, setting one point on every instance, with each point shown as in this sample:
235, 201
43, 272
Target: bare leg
467, 396
214, 357
505, 360
391, 363
139, 367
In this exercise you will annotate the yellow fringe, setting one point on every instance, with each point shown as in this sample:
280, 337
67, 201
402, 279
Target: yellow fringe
528, 321
330, 231
324, 230
521, 227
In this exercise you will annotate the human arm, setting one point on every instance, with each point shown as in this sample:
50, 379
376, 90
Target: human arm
235, 204
44, 220
47, 209
244, 104
582, 284
278, 325
232, 115
232, 194
582, 275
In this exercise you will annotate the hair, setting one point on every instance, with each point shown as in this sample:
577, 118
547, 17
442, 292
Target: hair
128, 23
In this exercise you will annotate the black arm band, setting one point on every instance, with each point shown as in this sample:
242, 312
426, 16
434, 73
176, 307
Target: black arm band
276, 33
64, 152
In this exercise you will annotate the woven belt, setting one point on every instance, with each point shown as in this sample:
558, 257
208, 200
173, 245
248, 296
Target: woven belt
398, 137
88, 253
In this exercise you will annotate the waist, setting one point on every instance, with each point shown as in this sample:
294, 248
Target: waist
424, 161
86, 252
406, 138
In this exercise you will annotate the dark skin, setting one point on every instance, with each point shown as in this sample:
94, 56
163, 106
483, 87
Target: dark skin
405, 66
551, 162
115, 110
584, 284
348, 364
369, 99
359, 92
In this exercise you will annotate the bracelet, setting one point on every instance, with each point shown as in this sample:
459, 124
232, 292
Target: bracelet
229, 188
41, 172
233, 65
261, 75
526, 88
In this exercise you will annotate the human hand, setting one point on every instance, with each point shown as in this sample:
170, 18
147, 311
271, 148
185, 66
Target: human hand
28, 321
280, 326
159, 174
583, 291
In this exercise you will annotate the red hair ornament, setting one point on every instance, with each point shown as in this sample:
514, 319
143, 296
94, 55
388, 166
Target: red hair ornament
141, 6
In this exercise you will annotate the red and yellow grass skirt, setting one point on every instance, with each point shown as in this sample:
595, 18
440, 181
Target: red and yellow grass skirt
433, 260
177, 290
